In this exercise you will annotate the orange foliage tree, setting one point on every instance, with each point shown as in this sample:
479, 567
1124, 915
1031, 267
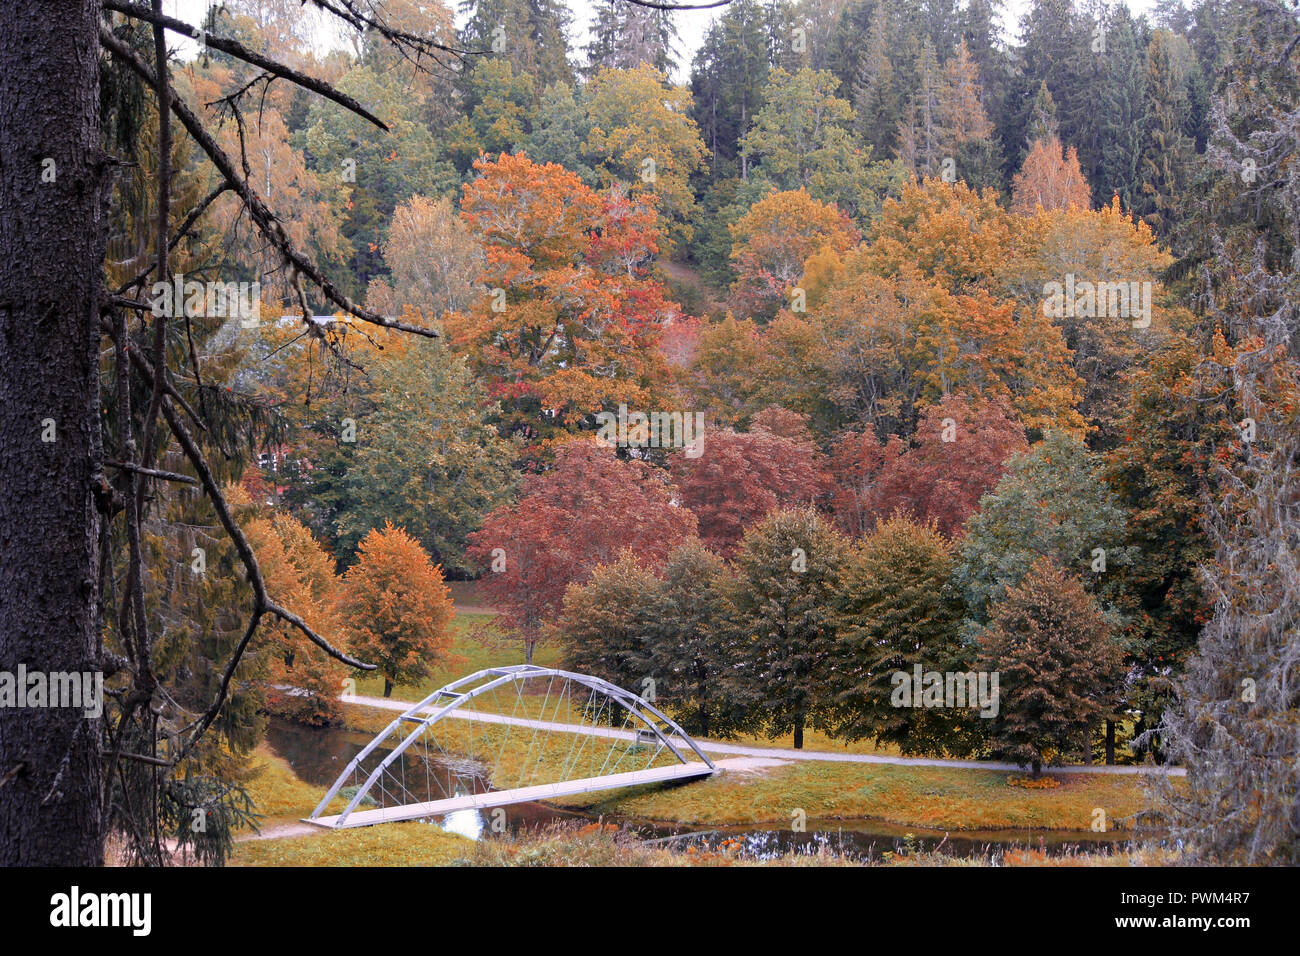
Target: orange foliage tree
396, 607
303, 681
1050, 178
571, 317
772, 242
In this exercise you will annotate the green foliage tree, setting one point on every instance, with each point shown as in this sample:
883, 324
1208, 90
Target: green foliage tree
608, 624
693, 641
559, 131
427, 457
1053, 502
899, 609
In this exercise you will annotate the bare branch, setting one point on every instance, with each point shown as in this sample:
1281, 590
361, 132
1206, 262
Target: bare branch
240, 52
151, 472
265, 220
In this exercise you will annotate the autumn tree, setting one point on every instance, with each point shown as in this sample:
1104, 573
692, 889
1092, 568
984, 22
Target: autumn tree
741, 476
899, 609
642, 136
498, 108
1059, 669
772, 242
582, 513
957, 453
1105, 339
1050, 178
571, 314
1161, 472
303, 683
433, 260
396, 609
787, 575
721, 376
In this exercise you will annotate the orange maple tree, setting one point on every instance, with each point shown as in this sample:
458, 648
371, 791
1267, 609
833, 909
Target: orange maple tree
396, 608
571, 316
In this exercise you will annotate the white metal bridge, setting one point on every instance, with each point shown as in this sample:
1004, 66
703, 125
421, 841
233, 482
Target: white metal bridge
510, 735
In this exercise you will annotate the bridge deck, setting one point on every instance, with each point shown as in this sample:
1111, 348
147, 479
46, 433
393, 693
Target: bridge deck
499, 798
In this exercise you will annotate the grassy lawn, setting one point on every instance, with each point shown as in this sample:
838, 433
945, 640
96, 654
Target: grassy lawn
476, 645
933, 797
393, 844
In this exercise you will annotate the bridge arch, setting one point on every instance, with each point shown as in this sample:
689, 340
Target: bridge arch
378, 773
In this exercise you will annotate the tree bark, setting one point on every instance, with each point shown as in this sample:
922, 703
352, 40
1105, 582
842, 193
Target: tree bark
388, 687
798, 733
1110, 743
52, 234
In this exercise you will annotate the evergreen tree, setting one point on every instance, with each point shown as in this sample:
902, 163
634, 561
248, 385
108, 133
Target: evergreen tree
559, 131
787, 572
1167, 150
727, 79
531, 34
922, 136
1124, 102
625, 36
1234, 725
899, 609
1059, 672
873, 87
970, 144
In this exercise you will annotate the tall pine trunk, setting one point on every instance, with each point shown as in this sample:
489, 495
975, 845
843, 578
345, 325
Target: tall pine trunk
52, 216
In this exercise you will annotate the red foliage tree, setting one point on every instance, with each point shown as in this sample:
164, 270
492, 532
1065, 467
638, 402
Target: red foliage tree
957, 453
740, 476
582, 513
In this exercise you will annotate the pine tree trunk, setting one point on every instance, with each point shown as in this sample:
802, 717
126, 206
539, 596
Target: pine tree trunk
52, 236
1110, 743
388, 687
798, 733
